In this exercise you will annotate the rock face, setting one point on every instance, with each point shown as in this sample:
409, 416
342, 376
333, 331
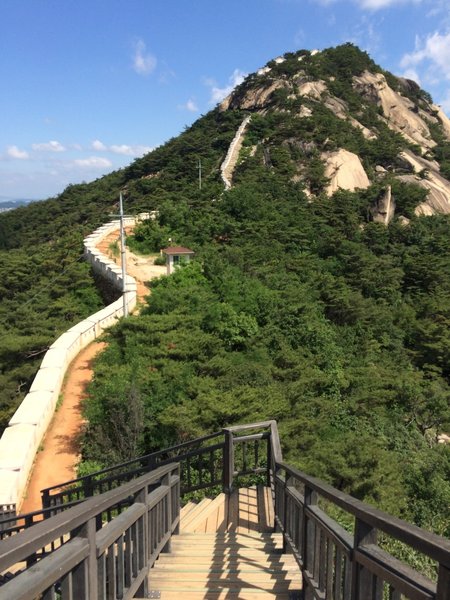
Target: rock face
345, 171
255, 98
383, 209
438, 199
402, 106
397, 109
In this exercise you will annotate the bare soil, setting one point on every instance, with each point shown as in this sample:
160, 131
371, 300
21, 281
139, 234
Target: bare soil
57, 460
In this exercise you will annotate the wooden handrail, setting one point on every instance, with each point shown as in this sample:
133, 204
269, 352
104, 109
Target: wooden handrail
334, 563
20, 546
434, 546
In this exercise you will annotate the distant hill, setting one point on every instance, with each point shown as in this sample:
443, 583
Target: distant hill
9, 204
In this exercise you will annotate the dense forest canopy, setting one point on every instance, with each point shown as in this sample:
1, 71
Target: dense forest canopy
298, 306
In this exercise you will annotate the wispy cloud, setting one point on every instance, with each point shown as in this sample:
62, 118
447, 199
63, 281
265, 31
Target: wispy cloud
93, 162
190, 105
124, 149
412, 74
52, 146
144, 62
433, 52
219, 93
372, 4
16, 153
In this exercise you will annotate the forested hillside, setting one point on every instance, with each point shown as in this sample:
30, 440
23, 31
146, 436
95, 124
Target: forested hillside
326, 310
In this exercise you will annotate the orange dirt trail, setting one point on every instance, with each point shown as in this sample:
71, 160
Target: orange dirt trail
59, 457
58, 460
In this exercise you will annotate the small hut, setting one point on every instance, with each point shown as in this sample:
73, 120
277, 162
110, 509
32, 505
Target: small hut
176, 254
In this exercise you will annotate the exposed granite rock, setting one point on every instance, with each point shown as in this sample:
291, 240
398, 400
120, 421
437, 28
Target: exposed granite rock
345, 171
398, 110
383, 209
255, 98
438, 199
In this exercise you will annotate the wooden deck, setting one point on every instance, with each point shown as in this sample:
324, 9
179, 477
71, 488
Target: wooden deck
227, 549
246, 510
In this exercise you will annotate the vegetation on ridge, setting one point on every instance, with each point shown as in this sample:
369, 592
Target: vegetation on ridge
297, 308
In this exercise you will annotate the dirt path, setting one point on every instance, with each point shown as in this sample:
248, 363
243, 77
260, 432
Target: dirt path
58, 459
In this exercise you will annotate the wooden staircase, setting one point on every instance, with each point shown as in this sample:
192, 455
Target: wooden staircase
227, 549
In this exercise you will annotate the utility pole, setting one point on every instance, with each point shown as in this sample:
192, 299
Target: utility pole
123, 258
199, 173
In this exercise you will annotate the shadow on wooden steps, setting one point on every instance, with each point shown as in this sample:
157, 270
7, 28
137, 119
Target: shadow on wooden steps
227, 550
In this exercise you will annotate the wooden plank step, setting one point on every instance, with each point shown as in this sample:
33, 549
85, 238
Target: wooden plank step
230, 535
178, 542
256, 578
230, 562
185, 570
233, 560
222, 585
248, 510
187, 509
224, 595
199, 522
193, 514
224, 551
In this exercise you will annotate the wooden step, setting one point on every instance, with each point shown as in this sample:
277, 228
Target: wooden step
240, 594
237, 588
209, 512
194, 513
231, 560
218, 569
226, 577
210, 585
187, 509
181, 541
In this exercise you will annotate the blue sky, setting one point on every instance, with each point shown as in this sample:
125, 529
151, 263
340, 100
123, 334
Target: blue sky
87, 85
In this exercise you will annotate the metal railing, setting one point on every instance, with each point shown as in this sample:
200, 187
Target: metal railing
336, 564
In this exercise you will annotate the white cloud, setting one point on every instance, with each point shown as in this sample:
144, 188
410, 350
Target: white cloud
93, 162
373, 4
98, 146
52, 146
130, 150
412, 74
378, 4
124, 149
15, 152
217, 93
434, 51
190, 105
144, 63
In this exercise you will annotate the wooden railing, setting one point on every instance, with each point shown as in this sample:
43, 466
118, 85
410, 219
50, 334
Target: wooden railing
102, 548
336, 563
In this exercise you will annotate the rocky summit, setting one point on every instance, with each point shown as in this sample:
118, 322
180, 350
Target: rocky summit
366, 126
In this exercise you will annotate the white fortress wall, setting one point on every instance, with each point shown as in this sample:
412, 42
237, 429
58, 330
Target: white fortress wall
21, 439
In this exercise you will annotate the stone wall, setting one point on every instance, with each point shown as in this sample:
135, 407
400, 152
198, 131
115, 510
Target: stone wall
21, 439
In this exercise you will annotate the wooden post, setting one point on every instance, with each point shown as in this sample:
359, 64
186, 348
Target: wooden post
85, 577
443, 586
228, 462
362, 578
168, 500
308, 544
142, 496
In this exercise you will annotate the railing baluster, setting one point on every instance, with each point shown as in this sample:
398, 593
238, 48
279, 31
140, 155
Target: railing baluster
228, 462
111, 573
363, 583
120, 567
309, 531
330, 568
